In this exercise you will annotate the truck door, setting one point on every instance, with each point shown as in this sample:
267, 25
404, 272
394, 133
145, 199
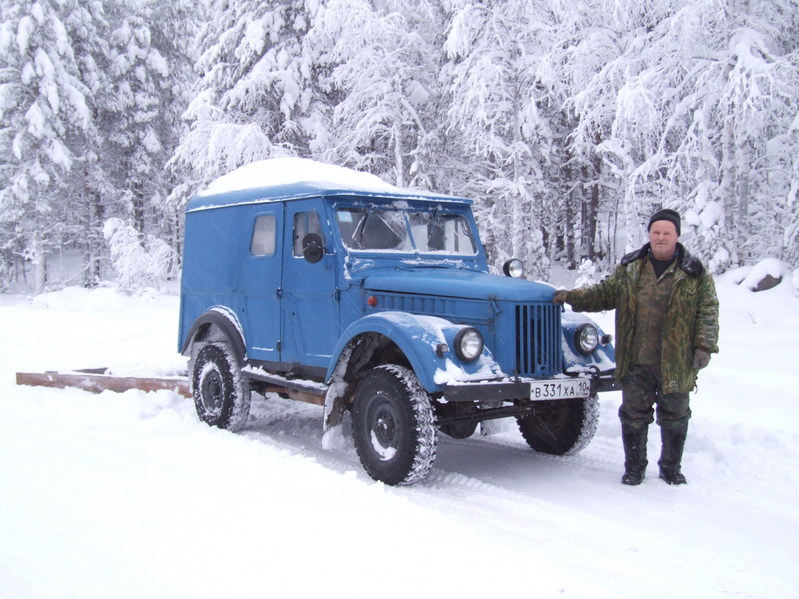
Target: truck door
260, 280
310, 307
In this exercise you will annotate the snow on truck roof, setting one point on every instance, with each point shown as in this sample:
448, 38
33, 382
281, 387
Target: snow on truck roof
295, 178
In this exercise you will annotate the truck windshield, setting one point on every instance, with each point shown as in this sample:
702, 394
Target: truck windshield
405, 231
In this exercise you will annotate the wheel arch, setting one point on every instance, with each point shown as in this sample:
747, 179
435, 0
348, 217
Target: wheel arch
375, 340
391, 337
221, 320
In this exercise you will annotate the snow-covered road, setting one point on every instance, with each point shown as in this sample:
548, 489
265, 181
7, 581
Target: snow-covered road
129, 495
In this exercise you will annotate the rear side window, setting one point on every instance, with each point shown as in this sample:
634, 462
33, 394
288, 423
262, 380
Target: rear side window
263, 236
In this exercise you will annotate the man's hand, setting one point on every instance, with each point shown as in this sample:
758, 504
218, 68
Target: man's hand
561, 297
701, 359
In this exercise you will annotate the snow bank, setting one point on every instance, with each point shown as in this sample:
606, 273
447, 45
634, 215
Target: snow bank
78, 328
751, 277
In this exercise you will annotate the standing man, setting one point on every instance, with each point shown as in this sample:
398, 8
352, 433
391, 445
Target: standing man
667, 325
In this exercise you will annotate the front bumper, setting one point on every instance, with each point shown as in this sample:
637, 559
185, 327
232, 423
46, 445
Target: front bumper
531, 389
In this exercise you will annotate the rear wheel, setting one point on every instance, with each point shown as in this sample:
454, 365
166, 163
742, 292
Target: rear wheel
560, 427
393, 426
221, 394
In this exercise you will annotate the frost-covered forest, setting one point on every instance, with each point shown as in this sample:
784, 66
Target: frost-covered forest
568, 122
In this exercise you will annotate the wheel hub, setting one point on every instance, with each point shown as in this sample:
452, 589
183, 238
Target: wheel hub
212, 392
385, 429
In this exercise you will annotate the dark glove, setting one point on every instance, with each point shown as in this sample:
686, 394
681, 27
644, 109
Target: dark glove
561, 296
701, 359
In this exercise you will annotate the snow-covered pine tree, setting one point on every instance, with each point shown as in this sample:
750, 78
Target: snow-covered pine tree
151, 69
493, 50
701, 124
46, 115
594, 47
759, 102
140, 261
257, 95
8, 250
175, 25
790, 243
591, 47
573, 119
85, 202
138, 121
385, 71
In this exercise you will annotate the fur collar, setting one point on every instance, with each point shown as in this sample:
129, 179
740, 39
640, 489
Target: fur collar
689, 263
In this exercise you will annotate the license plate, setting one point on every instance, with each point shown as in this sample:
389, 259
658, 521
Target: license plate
541, 390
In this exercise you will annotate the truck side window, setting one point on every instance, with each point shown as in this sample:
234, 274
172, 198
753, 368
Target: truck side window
263, 236
304, 223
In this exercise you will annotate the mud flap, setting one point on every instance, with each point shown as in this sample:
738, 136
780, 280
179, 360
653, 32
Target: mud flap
335, 405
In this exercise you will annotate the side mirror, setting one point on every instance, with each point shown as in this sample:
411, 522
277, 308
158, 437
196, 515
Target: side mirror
313, 248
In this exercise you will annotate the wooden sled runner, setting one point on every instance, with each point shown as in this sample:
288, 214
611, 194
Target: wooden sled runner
95, 380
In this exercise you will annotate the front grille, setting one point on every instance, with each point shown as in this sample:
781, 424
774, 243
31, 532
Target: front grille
539, 351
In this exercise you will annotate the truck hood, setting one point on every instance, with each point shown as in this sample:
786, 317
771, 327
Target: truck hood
454, 283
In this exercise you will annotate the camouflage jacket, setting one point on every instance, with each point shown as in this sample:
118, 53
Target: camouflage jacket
691, 321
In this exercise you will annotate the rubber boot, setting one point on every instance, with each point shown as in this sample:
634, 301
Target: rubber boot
634, 440
673, 442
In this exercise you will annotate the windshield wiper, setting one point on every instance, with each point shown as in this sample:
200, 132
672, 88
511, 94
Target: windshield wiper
358, 235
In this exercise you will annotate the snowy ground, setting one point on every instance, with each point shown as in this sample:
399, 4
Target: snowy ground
128, 495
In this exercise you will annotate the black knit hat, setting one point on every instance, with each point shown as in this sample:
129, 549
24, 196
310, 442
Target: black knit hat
666, 214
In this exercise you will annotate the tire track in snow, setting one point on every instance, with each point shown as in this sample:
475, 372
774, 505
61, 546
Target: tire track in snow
567, 511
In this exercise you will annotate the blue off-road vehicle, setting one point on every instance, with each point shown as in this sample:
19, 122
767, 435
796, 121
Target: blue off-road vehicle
328, 286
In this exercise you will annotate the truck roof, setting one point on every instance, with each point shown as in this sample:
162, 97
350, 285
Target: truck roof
281, 179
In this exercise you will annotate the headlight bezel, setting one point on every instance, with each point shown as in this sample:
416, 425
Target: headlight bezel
586, 338
514, 268
468, 344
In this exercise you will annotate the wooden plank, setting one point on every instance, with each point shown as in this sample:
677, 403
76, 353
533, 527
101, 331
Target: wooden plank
97, 383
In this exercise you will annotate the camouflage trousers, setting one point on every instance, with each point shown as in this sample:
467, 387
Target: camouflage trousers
641, 390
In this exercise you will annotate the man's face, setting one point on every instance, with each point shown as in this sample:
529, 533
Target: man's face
663, 239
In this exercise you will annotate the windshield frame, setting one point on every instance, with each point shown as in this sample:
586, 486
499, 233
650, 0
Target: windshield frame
402, 233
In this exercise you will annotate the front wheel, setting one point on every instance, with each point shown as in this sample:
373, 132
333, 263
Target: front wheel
393, 426
221, 394
561, 427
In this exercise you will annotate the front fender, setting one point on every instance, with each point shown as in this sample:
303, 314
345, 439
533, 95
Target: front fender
427, 342
603, 357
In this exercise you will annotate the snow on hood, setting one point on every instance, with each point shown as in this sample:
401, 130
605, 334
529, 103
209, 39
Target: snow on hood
287, 171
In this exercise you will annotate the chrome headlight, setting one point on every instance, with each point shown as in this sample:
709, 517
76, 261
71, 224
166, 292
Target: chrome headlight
586, 338
513, 268
468, 344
